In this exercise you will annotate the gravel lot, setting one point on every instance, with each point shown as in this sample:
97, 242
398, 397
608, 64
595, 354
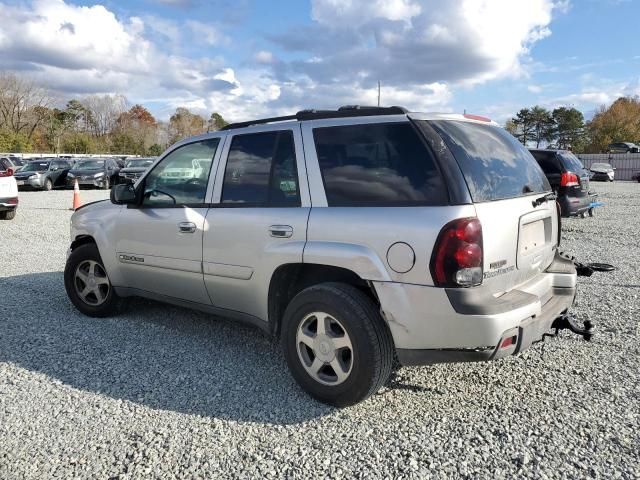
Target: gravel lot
165, 392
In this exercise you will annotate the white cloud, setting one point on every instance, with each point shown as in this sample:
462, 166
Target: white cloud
207, 33
534, 88
264, 57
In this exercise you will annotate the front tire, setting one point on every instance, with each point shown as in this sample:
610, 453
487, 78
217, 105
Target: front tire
48, 185
337, 346
87, 284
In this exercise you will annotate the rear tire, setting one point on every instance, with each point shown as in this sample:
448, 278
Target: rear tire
9, 214
85, 272
350, 318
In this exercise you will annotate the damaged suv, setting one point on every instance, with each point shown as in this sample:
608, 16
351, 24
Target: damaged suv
356, 236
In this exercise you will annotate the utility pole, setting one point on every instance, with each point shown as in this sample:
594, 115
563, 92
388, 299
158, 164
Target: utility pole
378, 92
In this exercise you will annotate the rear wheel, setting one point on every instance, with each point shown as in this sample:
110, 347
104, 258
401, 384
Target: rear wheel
87, 283
9, 214
337, 345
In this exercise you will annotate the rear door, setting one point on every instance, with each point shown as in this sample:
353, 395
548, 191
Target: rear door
519, 237
258, 218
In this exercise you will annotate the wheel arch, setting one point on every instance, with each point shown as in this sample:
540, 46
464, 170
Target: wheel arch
290, 279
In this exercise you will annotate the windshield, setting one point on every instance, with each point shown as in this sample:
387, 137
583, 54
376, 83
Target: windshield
601, 165
494, 164
138, 163
35, 167
89, 164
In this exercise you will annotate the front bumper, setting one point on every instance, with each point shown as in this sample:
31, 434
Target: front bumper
429, 325
36, 182
82, 181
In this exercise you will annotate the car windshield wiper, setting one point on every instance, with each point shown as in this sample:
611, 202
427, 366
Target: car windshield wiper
544, 198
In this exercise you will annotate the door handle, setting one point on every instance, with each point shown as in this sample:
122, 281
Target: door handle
186, 227
281, 231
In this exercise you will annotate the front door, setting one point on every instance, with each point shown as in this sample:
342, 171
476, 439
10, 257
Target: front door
159, 244
258, 220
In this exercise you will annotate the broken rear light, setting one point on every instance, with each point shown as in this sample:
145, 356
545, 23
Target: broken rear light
457, 256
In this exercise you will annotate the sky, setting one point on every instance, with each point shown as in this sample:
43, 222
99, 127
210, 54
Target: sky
252, 58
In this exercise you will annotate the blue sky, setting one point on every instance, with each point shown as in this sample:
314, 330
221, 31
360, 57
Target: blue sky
248, 58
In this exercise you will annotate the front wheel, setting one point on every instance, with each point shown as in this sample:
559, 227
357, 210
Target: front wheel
336, 344
87, 283
106, 185
48, 185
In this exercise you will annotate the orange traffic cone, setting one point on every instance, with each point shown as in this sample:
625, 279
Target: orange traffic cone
77, 203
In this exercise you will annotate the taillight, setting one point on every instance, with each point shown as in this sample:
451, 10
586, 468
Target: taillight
568, 179
7, 173
457, 256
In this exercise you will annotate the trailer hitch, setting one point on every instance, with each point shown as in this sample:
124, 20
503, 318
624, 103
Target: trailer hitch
569, 322
587, 269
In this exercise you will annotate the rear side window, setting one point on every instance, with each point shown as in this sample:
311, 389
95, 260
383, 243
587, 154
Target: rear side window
547, 161
494, 164
261, 171
377, 165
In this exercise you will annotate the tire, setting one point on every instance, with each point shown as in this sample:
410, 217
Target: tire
3, 215
48, 185
107, 184
352, 315
9, 214
82, 257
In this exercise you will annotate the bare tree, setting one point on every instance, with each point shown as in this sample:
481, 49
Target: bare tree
104, 111
23, 105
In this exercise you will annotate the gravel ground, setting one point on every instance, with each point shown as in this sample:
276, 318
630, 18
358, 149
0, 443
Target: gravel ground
164, 392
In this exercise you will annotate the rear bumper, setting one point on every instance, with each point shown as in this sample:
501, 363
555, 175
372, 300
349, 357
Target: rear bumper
8, 203
571, 206
430, 326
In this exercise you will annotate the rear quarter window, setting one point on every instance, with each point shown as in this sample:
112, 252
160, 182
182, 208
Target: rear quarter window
494, 164
377, 164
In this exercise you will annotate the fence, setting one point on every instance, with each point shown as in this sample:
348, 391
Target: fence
626, 164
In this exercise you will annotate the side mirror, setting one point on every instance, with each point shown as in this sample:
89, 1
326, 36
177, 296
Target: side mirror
123, 194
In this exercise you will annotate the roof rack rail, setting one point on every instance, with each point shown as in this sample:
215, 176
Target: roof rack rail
312, 114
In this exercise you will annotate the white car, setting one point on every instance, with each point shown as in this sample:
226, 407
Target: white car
8, 195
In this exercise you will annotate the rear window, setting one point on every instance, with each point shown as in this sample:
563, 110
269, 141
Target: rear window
547, 161
377, 165
494, 164
571, 162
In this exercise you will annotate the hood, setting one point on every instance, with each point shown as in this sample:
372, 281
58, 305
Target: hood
601, 170
86, 171
23, 174
133, 170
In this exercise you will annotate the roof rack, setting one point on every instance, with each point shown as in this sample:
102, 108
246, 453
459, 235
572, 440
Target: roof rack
342, 112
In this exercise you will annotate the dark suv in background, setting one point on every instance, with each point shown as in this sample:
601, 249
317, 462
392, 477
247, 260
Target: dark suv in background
568, 179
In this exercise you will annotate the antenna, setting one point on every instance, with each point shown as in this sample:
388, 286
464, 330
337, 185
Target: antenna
378, 92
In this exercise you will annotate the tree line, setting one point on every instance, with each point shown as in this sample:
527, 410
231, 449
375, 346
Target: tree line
565, 128
32, 119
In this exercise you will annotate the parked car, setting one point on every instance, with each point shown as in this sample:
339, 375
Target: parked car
636, 176
95, 172
43, 174
568, 178
602, 172
623, 147
422, 237
8, 194
12, 163
134, 168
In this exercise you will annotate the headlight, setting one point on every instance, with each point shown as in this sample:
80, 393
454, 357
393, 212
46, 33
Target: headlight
32, 177
97, 175
71, 175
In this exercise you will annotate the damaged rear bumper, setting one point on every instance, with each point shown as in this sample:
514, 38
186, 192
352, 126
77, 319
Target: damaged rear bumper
433, 325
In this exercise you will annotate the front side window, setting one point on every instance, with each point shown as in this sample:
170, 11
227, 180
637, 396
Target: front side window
377, 165
261, 171
181, 178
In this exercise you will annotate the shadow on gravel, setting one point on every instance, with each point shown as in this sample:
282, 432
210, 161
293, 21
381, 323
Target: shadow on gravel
160, 356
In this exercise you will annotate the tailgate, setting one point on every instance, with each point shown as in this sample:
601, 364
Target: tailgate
519, 241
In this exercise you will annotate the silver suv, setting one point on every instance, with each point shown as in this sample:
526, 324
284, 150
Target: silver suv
359, 237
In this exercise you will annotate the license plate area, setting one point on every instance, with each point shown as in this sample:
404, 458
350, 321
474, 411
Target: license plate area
534, 240
20, 182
